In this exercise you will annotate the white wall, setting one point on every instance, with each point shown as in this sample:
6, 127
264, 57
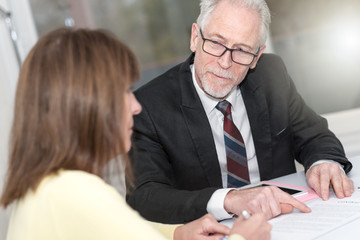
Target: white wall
9, 68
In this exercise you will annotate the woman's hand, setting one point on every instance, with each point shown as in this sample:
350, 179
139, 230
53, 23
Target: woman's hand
204, 228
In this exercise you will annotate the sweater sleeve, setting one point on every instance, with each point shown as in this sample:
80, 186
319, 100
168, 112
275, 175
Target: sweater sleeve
166, 229
236, 237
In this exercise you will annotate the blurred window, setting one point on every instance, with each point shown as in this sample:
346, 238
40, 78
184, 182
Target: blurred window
319, 43
317, 39
158, 31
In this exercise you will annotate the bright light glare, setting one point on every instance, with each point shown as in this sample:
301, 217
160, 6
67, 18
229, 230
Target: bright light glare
348, 37
344, 39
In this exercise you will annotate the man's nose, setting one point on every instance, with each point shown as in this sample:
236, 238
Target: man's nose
225, 60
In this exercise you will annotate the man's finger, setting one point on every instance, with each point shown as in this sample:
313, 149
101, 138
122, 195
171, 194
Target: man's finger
348, 186
337, 184
324, 184
296, 203
286, 208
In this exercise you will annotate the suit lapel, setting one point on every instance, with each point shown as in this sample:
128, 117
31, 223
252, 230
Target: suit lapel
199, 127
258, 113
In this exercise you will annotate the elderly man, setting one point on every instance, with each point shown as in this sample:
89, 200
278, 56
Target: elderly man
226, 117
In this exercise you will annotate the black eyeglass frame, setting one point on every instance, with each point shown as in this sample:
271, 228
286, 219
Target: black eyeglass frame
227, 49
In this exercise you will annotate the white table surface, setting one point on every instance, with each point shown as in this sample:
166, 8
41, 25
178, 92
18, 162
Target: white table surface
346, 126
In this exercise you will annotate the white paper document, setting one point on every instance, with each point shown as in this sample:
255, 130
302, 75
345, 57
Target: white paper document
326, 218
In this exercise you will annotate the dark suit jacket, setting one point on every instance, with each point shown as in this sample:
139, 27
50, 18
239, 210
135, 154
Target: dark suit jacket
175, 161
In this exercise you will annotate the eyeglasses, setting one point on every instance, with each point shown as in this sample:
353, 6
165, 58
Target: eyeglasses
238, 55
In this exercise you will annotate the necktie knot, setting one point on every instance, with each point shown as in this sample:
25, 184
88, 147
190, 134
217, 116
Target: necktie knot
224, 107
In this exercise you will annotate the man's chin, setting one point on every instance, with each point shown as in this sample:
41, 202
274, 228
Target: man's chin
219, 95
217, 89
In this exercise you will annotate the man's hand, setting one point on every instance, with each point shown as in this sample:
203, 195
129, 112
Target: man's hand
320, 177
268, 200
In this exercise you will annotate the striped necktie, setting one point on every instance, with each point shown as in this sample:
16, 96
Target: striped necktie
238, 173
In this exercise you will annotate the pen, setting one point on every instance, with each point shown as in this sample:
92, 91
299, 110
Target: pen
246, 215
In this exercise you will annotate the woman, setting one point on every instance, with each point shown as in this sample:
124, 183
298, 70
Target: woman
73, 113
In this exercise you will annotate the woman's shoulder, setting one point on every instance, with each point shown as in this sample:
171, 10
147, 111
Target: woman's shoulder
71, 177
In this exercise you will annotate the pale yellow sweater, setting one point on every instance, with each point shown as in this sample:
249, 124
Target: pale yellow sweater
75, 205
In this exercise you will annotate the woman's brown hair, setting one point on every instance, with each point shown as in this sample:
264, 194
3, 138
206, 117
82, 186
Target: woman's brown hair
68, 107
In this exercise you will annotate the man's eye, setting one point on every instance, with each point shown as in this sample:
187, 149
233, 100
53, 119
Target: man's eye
215, 44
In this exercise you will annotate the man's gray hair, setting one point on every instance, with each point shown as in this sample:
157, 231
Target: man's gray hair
207, 6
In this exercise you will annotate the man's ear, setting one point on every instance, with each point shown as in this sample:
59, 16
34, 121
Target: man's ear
194, 37
261, 50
